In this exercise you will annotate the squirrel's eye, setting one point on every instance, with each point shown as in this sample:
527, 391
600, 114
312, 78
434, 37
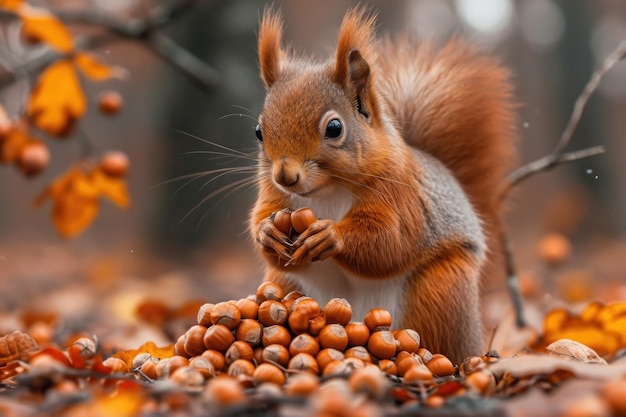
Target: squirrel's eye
334, 129
259, 135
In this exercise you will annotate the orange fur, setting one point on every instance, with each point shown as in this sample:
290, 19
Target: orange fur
408, 194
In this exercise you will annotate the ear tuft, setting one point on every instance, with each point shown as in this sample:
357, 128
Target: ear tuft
357, 32
270, 52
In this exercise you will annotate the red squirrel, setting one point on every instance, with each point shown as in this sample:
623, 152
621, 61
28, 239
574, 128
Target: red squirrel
401, 149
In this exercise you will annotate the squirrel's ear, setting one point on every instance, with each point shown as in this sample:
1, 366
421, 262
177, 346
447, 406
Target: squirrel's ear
356, 42
270, 52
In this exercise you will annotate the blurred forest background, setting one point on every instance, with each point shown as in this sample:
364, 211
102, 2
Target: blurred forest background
173, 244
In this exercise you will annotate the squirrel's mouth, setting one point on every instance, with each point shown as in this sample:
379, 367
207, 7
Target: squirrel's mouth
308, 193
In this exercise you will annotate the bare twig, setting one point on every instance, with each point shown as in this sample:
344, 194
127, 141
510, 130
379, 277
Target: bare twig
557, 157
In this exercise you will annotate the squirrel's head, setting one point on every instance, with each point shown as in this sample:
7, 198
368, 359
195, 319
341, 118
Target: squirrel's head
319, 121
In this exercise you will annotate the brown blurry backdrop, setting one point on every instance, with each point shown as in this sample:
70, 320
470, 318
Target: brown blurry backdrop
171, 244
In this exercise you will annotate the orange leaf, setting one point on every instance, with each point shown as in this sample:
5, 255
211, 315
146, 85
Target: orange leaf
11, 4
114, 188
58, 99
12, 144
149, 347
40, 25
94, 68
72, 213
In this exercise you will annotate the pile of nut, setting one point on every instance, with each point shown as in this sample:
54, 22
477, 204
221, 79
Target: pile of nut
290, 345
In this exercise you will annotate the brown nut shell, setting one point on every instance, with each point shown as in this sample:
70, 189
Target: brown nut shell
302, 218
218, 337
272, 312
282, 221
382, 344
334, 336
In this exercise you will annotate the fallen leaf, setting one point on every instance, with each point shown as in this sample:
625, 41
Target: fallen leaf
148, 347
570, 349
13, 5
113, 188
16, 346
57, 100
73, 213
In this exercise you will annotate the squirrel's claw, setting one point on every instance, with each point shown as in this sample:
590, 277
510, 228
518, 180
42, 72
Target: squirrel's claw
320, 241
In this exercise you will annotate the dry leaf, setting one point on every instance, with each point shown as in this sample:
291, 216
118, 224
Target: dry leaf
41, 25
148, 347
570, 349
113, 188
125, 401
58, 99
16, 346
95, 69
12, 143
73, 213
13, 5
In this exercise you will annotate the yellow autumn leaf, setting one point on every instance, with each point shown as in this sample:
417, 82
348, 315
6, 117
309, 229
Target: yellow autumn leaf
12, 5
94, 68
72, 213
57, 100
148, 347
12, 143
113, 188
41, 25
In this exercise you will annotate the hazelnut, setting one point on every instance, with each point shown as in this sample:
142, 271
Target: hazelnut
317, 324
215, 357
110, 102
224, 391
204, 314
358, 333
407, 362
289, 299
115, 163
425, 354
218, 337
85, 347
382, 344
435, 401
275, 354
325, 356
338, 310
226, 313
249, 331
388, 366
148, 368
482, 381
440, 365
139, 359
238, 350
269, 290
378, 319
276, 335
116, 365
203, 365
370, 381
179, 346
301, 384
33, 157
337, 367
266, 372
302, 218
304, 362
247, 308
333, 336
187, 376
409, 340
418, 374
241, 367
193, 341
272, 312
282, 221
304, 343
358, 352
304, 310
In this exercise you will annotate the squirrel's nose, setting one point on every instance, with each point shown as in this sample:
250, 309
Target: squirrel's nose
286, 173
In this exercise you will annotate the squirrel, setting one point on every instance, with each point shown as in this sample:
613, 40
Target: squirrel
402, 149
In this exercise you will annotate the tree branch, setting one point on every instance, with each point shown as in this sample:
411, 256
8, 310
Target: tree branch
557, 157
145, 30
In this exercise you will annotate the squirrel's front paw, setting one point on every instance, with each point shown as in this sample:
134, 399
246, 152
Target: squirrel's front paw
321, 240
271, 240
